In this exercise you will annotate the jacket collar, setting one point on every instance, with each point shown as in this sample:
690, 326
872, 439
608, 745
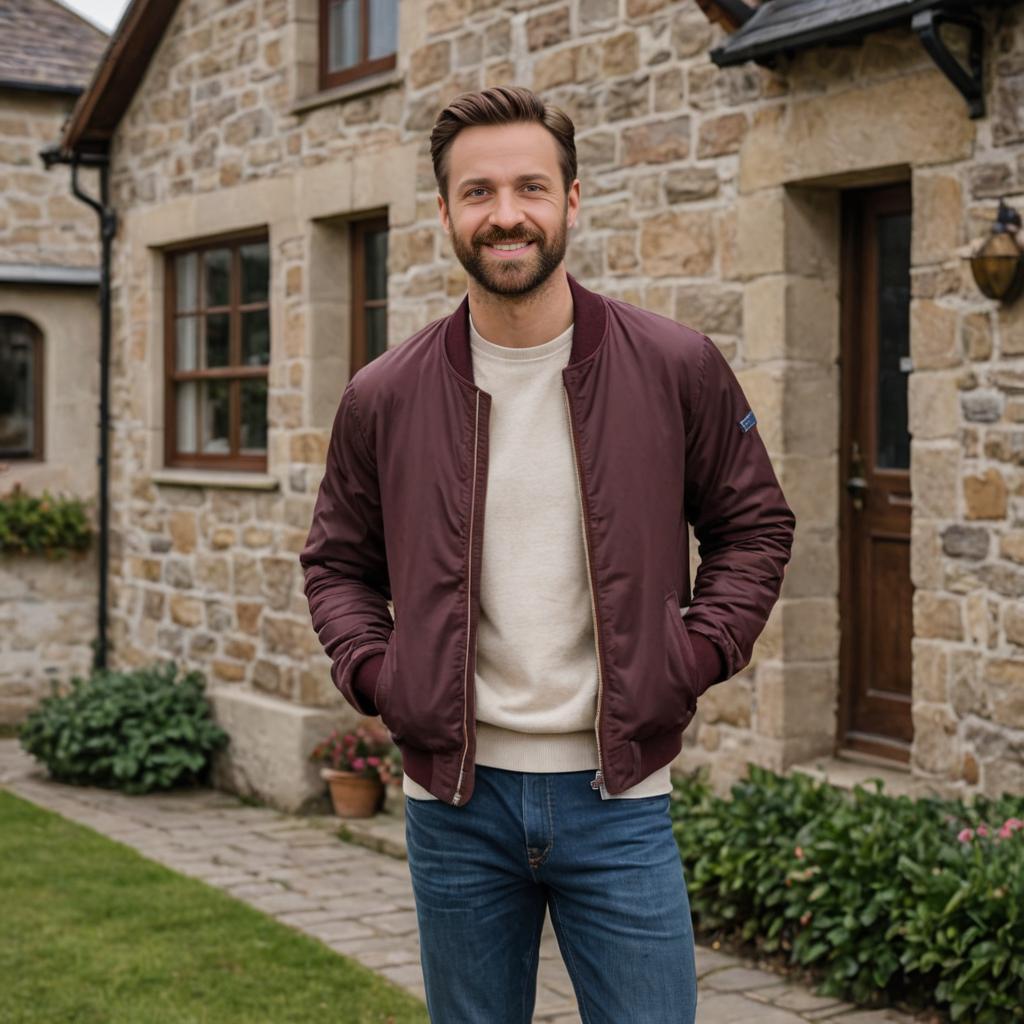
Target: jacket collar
590, 318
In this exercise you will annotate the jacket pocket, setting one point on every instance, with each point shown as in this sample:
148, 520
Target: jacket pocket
383, 688
666, 697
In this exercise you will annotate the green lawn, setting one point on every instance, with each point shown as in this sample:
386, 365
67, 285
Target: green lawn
93, 933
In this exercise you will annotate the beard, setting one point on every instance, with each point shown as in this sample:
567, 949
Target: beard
511, 277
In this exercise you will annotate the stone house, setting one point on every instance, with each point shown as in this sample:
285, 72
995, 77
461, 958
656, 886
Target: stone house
799, 187
48, 341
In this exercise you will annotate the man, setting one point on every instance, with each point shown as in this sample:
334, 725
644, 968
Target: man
538, 673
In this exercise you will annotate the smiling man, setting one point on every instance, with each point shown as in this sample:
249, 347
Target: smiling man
538, 674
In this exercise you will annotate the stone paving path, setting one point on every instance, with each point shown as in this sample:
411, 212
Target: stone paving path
359, 901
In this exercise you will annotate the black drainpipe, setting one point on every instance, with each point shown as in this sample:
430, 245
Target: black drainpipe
108, 228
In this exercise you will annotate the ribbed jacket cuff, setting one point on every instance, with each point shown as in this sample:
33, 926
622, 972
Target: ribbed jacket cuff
364, 681
710, 664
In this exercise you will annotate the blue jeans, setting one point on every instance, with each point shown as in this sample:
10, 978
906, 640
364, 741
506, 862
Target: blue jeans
483, 875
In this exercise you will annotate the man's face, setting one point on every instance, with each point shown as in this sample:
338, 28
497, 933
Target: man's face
504, 187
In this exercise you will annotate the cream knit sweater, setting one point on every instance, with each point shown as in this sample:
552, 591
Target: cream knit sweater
536, 672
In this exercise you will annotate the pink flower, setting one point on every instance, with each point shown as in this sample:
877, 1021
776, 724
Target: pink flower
1009, 827
358, 764
373, 761
966, 835
983, 830
799, 853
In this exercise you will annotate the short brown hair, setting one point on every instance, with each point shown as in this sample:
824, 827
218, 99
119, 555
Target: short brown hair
501, 104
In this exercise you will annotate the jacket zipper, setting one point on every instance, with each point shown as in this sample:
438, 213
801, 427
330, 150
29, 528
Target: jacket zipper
598, 780
457, 796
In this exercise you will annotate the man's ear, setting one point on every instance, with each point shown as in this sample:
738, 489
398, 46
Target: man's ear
442, 210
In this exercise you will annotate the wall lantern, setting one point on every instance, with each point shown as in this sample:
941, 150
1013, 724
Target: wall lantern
998, 263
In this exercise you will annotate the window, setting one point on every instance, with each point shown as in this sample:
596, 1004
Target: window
21, 389
357, 37
218, 349
369, 290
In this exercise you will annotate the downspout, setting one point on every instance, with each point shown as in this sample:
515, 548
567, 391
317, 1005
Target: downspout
108, 228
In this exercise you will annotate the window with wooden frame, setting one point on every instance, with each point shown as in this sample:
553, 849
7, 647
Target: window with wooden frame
21, 389
217, 353
369, 240
357, 38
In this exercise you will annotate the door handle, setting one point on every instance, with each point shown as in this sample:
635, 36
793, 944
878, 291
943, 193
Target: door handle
856, 484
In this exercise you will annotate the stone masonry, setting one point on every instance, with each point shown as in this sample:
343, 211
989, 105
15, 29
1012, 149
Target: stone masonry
708, 195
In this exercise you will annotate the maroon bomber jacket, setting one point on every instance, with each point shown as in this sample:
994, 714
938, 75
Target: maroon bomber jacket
663, 436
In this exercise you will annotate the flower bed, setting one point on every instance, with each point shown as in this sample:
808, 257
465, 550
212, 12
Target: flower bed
886, 899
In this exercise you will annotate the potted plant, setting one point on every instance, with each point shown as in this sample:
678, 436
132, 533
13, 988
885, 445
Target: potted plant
356, 766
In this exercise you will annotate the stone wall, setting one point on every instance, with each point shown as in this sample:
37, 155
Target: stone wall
47, 619
708, 195
41, 222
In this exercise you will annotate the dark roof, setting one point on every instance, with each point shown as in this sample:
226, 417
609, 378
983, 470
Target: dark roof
781, 26
128, 53
47, 46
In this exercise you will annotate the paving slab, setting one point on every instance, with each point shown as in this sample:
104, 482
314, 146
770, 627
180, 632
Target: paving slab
357, 897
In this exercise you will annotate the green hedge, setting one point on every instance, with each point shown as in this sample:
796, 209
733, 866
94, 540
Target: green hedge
43, 524
887, 899
137, 731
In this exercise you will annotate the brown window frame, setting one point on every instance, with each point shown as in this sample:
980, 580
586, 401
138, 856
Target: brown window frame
38, 371
360, 303
234, 372
329, 79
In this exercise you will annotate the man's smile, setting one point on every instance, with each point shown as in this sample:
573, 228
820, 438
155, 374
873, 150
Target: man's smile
507, 250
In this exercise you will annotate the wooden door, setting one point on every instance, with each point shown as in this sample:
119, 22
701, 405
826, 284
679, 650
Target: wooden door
875, 589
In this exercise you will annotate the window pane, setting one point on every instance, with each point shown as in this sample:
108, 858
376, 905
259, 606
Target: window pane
17, 387
343, 35
256, 337
255, 272
383, 27
893, 341
186, 280
217, 340
218, 276
376, 332
186, 342
213, 394
185, 416
254, 417
376, 243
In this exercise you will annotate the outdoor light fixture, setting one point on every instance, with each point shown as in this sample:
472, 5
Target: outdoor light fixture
730, 14
998, 263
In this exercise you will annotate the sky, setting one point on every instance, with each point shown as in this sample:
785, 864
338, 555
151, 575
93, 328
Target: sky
104, 13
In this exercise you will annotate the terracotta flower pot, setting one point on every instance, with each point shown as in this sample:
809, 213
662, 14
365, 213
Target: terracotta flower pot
353, 795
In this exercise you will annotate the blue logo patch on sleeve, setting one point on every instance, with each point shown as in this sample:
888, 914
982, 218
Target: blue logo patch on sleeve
748, 421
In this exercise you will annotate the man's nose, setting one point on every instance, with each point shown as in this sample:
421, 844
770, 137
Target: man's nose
506, 212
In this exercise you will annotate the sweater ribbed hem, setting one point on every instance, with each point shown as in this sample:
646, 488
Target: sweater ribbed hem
535, 751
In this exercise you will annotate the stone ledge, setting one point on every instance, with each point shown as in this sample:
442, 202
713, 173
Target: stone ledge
384, 832
268, 755
845, 774
215, 478
348, 91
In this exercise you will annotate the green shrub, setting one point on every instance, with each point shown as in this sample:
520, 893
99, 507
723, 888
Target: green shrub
45, 524
136, 731
885, 898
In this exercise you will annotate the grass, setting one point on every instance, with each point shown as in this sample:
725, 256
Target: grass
93, 933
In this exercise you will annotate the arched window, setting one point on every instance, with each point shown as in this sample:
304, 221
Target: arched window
21, 389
